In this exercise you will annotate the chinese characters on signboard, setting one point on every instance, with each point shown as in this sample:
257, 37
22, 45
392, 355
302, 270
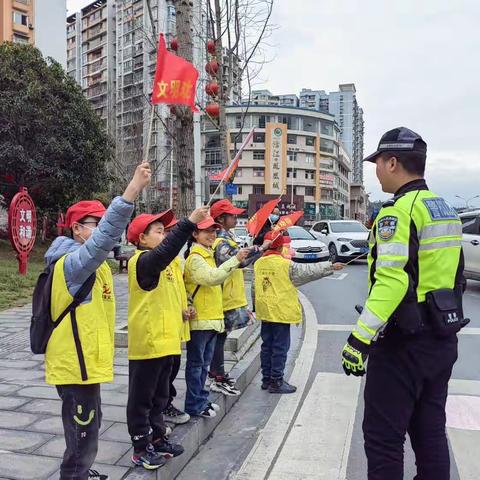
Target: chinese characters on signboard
276, 167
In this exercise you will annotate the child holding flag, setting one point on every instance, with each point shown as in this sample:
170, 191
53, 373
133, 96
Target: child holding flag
155, 328
277, 306
203, 281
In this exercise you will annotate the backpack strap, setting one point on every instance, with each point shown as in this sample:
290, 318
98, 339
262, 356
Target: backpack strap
78, 298
197, 288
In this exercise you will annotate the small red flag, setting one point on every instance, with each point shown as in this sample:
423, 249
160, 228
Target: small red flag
175, 79
256, 223
287, 221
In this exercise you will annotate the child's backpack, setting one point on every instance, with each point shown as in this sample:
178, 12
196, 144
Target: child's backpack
42, 324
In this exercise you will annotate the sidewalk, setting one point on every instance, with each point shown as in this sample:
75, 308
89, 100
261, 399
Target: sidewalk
31, 433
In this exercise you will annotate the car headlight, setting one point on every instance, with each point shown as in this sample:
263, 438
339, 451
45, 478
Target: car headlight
344, 239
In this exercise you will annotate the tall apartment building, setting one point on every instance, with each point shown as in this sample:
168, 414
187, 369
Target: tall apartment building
35, 22
342, 104
312, 163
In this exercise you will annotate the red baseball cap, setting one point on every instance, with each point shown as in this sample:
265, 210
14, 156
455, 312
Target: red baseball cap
279, 238
141, 222
172, 223
224, 206
85, 208
207, 223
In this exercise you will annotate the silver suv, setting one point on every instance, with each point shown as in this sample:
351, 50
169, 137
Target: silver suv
471, 243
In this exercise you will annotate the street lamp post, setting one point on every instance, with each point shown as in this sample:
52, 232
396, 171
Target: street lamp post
467, 200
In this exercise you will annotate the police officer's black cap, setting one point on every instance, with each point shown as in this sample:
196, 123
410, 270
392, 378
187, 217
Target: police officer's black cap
399, 139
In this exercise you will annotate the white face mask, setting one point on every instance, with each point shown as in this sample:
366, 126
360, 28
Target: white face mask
86, 226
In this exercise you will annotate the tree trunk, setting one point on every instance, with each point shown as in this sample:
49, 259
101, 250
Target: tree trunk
183, 144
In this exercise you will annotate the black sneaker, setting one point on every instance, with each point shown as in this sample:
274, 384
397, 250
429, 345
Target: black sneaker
176, 416
94, 475
281, 386
149, 459
210, 411
167, 449
265, 383
225, 386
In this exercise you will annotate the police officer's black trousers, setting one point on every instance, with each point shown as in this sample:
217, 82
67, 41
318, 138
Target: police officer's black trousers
406, 390
82, 417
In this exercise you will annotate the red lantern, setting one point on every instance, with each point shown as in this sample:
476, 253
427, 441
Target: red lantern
211, 89
174, 44
212, 67
213, 109
211, 46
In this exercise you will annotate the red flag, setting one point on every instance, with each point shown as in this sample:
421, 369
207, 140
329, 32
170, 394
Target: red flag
228, 172
288, 221
256, 223
175, 79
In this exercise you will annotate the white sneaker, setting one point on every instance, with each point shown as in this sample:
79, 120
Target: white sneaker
208, 413
226, 388
213, 406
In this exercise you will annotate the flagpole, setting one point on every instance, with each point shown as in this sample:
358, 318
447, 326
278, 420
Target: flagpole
149, 136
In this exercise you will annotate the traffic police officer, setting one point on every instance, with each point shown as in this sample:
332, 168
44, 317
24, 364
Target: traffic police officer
409, 323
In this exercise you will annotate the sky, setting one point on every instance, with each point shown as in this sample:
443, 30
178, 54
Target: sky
414, 64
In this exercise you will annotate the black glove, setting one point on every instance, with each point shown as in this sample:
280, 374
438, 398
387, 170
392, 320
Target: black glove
354, 356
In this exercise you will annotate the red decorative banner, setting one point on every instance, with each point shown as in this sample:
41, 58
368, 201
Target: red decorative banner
175, 79
256, 223
287, 221
22, 227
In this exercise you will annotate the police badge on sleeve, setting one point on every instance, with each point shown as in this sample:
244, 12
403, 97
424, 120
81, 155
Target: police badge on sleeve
387, 227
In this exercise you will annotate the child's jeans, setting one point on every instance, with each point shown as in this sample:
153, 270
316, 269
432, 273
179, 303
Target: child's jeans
275, 345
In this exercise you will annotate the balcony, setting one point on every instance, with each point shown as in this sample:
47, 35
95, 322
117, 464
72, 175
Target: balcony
88, 46
97, 30
22, 5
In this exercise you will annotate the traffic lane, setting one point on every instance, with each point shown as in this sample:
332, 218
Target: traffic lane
334, 297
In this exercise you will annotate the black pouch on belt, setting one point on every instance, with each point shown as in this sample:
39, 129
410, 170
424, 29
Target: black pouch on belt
445, 312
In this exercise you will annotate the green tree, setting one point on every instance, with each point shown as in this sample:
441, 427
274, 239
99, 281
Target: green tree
51, 141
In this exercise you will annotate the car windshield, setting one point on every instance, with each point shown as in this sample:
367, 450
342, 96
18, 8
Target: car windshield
299, 233
343, 227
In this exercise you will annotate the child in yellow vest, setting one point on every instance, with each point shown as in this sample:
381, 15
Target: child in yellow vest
203, 281
79, 355
171, 413
277, 306
155, 327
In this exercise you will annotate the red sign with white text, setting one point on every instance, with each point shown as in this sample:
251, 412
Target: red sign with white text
22, 227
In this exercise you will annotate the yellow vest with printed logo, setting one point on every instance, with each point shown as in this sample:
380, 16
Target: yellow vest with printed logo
276, 298
234, 295
177, 270
155, 322
95, 322
208, 300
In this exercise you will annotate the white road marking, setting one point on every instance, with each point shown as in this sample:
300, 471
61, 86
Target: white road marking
270, 438
464, 387
340, 276
318, 445
330, 327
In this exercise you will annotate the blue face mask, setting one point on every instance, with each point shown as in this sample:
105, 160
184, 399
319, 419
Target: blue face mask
273, 217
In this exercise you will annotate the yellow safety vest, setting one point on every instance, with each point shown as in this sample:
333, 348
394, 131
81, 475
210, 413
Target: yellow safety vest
178, 272
96, 323
208, 300
415, 248
234, 295
155, 322
276, 298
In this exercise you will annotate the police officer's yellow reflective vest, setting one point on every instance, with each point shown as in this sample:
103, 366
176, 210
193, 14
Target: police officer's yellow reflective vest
177, 270
95, 322
155, 322
276, 298
234, 295
415, 248
208, 300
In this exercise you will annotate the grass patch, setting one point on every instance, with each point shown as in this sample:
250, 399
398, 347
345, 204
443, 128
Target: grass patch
16, 289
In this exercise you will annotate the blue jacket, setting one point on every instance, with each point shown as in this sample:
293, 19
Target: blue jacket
84, 259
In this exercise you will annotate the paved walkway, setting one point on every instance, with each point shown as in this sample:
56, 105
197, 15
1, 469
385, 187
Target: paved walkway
31, 433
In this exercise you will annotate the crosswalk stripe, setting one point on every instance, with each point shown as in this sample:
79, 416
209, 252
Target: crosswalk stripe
270, 438
318, 444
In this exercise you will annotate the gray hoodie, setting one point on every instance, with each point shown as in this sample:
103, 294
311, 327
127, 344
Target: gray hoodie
84, 259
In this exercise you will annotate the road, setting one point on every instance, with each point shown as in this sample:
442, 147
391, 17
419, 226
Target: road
316, 433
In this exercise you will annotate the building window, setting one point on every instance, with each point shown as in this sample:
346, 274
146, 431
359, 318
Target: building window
236, 138
327, 146
292, 156
213, 157
259, 189
261, 121
212, 141
309, 191
310, 159
238, 121
239, 190
259, 138
258, 172
310, 141
327, 129
310, 174
292, 139
309, 124
238, 172
17, 38
127, 66
290, 171
20, 18
259, 155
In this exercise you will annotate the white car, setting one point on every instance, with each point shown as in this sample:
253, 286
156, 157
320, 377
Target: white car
471, 243
242, 237
346, 239
307, 247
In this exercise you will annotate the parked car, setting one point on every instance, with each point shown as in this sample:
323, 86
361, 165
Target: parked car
346, 239
242, 236
307, 248
471, 243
